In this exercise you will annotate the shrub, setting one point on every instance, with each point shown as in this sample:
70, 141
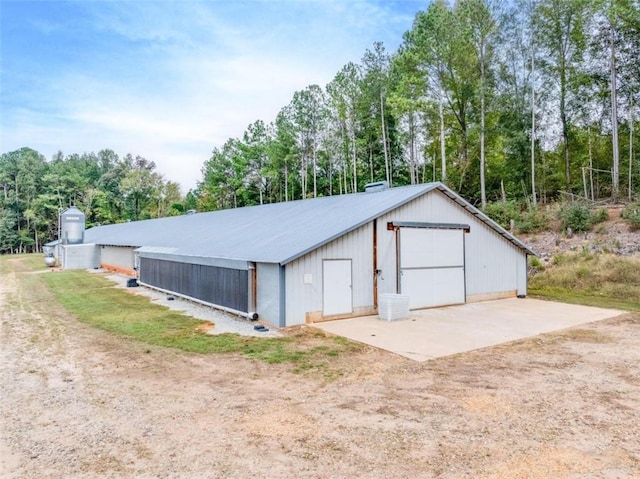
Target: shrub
535, 264
631, 214
532, 221
577, 216
502, 212
600, 216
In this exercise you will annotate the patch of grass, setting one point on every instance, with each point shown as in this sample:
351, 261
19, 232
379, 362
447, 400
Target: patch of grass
21, 263
94, 300
585, 336
593, 279
586, 300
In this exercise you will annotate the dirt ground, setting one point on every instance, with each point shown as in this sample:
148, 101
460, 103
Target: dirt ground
611, 236
76, 402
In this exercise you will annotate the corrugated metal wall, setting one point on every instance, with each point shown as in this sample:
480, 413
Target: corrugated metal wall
79, 256
302, 298
221, 286
493, 264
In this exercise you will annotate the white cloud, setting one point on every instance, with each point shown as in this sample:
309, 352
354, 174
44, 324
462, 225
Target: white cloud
172, 80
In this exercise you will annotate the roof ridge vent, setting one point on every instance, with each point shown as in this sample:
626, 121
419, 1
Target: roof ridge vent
376, 186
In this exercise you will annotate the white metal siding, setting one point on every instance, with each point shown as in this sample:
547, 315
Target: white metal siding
302, 298
121, 256
79, 256
492, 264
268, 294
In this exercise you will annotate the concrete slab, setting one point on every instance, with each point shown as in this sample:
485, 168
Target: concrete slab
432, 333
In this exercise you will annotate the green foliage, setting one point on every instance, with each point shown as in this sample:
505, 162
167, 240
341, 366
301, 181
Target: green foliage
526, 220
532, 221
600, 216
631, 215
576, 216
502, 212
106, 188
535, 264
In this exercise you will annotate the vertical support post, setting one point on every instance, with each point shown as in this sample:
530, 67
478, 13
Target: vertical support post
253, 283
375, 263
398, 271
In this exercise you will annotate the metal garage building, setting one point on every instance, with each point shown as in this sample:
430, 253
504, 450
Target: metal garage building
324, 258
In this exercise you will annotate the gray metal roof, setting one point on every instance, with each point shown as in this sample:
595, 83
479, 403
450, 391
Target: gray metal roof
272, 233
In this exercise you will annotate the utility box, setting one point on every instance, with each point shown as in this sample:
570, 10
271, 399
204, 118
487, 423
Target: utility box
393, 307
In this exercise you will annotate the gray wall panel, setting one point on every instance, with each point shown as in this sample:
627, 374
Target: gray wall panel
222, 286
268, 294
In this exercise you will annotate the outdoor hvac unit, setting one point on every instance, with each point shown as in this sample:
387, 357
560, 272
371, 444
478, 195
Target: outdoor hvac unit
393, 307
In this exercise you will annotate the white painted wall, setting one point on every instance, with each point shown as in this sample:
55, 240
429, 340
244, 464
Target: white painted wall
79, 256
303, 297
117, 256
493, 264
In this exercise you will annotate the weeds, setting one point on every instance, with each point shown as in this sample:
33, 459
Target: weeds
631, 214
600, 280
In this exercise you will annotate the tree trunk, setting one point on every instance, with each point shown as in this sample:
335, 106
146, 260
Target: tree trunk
355, 168
483, 193
443, 151
590, 164
533, 130
286, 182
384, 140
315, 174
565, 125
615, 187
630, 148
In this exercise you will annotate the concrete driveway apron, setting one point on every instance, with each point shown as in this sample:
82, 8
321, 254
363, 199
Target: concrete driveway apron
437, 332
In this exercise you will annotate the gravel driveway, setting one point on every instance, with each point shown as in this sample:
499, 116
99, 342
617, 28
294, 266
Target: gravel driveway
77, 402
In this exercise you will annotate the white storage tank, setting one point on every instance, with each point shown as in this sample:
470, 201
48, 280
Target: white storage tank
72, 226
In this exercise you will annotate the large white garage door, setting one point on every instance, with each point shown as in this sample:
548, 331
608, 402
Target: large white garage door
432, 266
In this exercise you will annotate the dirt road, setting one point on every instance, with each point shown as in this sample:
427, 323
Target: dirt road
80, 403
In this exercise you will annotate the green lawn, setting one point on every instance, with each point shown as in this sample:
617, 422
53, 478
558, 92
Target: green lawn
93, 299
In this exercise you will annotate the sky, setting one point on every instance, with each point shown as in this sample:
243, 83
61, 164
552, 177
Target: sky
172, 80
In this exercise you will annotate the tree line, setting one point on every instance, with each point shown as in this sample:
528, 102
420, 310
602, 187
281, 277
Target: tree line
523, 100
107, 188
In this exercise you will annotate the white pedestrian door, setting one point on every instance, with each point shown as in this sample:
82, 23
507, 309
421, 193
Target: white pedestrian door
432, 266
336, 287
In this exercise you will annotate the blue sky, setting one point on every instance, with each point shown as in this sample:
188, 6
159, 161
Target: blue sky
171, 80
